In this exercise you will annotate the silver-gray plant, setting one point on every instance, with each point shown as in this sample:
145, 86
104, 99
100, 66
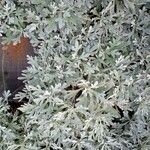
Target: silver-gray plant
88, 85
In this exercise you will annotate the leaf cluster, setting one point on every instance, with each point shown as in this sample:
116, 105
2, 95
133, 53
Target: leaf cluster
88, 85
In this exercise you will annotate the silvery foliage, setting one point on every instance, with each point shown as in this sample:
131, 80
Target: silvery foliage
88, 85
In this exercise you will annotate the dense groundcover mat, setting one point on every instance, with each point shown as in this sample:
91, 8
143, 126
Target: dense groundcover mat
88, 85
